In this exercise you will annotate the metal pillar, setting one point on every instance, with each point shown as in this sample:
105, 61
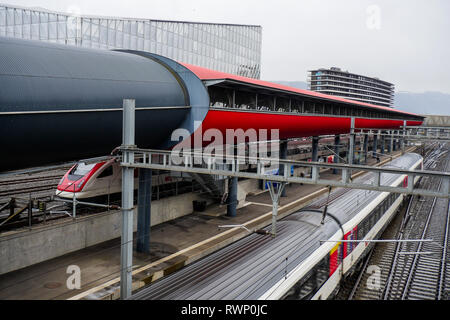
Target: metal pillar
375, 145
391, 143
366, 147
283, 167
232, 196
383, 144
144, 210
351, 148
403, 139
275, 194
126, 245
315, 148
337, 141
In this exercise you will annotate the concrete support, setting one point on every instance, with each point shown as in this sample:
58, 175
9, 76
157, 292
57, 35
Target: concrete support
337, 141
359, 150
375, 145
126, 244
232, 196
366, 147
144, 210
283, 167
315, 149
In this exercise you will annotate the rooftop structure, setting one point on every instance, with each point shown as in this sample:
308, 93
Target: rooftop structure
229, 48
352, 86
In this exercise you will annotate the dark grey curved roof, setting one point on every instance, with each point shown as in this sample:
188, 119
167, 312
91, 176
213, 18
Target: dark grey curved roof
63, 103
43, 76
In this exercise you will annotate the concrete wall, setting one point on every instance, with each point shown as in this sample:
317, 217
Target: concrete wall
24, 248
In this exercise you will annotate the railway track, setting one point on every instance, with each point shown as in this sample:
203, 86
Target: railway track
422, 275
28, 180
26, 190
411, 270
376, 261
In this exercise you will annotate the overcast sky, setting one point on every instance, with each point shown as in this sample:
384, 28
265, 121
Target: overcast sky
406, 42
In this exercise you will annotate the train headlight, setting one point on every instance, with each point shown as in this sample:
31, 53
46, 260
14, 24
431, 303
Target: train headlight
80, 184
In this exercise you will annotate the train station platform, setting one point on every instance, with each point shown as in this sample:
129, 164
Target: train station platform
173, 244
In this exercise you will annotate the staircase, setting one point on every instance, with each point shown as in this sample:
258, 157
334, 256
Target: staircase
213, 187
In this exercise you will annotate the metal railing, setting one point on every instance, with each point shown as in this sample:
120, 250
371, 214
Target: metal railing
186, 162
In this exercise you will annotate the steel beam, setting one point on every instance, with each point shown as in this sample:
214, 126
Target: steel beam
126, 245
337, 141
315, 148
275, 193
351, 149
144, 210
283, 167
232, 171
232, 196
366, 147
375, 145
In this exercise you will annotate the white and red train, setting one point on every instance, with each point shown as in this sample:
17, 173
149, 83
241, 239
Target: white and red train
100, 179
306, 259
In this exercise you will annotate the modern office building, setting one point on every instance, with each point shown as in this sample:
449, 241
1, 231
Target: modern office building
340, 83
229, 48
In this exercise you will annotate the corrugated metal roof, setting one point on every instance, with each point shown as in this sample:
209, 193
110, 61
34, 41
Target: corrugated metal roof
39, 76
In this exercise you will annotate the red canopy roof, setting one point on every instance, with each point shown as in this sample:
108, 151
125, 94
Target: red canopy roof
208, 74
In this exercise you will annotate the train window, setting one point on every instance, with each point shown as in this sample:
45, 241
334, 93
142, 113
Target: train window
81, 169
366, 226
323, 270
106, 173
372, 220
304, 288
362, 229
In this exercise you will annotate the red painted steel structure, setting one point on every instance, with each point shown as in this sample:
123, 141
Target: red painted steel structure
295, 124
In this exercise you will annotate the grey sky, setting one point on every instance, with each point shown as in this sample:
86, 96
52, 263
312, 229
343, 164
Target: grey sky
408, 45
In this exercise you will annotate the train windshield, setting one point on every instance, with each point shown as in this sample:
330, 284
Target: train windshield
81, 169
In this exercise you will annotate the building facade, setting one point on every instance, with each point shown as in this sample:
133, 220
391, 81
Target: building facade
228, 48
352, 86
